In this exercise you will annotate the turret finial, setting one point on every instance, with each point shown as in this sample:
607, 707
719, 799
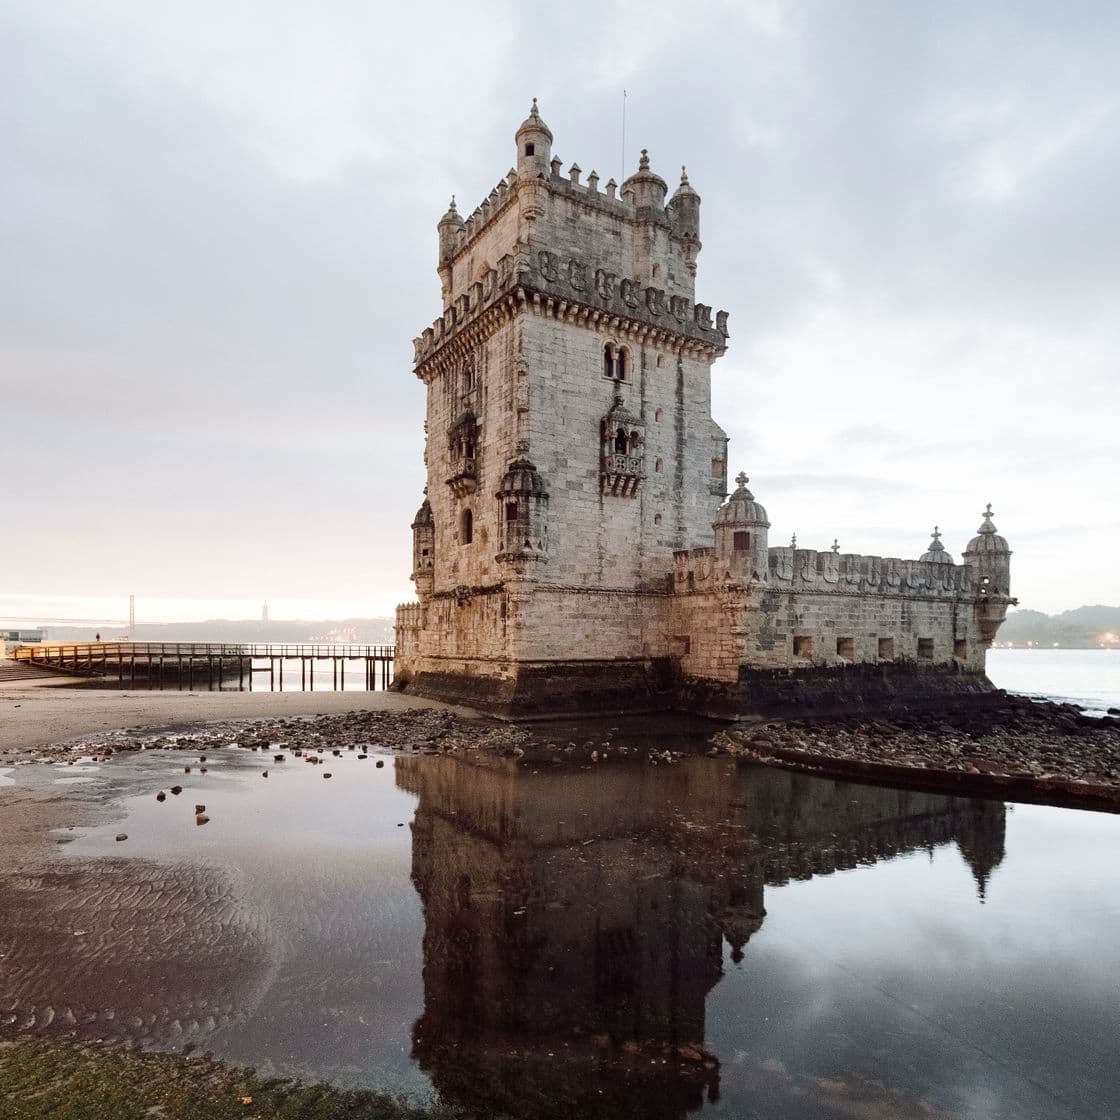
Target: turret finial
836, 545
741, 478
534, 112
684, 176
988, 526
793, 541
643, 163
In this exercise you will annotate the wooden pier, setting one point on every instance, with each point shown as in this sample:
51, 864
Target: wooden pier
179, 665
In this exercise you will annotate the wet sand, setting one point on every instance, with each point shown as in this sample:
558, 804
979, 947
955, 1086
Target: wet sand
36, 716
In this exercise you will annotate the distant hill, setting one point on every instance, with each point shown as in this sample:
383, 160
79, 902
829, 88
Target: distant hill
1080, 628
364, 631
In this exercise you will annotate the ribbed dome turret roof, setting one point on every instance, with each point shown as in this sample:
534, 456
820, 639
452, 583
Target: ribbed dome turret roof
423, 516
987, 539
534, 123
452, 215
937, 553
685, 189
522, 477
741, 508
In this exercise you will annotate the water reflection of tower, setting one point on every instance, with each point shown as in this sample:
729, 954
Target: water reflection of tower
574, 920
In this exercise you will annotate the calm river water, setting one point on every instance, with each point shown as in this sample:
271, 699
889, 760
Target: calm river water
710, 938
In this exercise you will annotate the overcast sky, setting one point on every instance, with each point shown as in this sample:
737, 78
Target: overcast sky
217, 235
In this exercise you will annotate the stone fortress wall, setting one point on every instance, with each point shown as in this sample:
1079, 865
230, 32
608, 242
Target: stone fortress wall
572, 549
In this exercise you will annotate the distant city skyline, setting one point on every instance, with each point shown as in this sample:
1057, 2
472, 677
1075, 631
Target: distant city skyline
218, 248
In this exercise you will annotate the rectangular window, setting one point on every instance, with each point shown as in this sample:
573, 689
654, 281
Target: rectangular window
680, 645
846, 648
511, 511
742, 541
925, 649
960, 647
803, 647
886, 649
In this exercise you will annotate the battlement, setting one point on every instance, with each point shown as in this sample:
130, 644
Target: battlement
806, 569
570, 283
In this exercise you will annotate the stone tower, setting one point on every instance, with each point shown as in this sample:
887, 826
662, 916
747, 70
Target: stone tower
570, 444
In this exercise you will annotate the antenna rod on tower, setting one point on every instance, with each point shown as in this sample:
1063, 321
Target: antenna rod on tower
622, 177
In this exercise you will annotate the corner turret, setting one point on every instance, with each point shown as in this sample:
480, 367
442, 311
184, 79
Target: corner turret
684, 215
742, 538
423, 548
989, 557
534, 146
645, 189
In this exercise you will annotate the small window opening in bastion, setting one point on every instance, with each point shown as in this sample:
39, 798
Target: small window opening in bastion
657, 519
657, 415
960, 647
886, 649
803, 646
742, 541
656, 271
530, 149
680, 645
925, 649
660, 360
511, 511
846, 648
657, 465
466, 527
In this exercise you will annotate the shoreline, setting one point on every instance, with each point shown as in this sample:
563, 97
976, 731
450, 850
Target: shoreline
34, 718
1013, 749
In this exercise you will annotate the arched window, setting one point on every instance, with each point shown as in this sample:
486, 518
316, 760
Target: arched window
620, 442
616, 362
466, 527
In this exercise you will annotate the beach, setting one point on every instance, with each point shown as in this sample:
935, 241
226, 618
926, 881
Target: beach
40, 715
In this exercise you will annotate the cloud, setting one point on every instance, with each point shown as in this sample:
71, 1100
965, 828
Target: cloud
219, 242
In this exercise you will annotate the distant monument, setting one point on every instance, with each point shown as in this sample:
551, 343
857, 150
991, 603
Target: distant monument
575, 550
264, 611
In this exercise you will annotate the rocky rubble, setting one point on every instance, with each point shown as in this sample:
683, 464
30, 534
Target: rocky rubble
1009, 738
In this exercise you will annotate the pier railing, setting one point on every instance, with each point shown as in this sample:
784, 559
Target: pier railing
154, 664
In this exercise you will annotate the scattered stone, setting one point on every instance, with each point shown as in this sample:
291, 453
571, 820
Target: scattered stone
379, 763
201, 818
200, 809
327, 774
176, 790
161, 796
122, 836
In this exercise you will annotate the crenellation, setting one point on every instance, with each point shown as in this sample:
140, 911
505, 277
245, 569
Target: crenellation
577, 545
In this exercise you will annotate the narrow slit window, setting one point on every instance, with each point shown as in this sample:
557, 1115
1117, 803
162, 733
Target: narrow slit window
466, 527
530, 149
511, 511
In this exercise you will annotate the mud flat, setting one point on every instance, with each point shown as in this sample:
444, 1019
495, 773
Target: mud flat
1010, 748
35, 720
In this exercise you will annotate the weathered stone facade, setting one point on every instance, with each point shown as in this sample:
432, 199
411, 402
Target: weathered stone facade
572, 551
